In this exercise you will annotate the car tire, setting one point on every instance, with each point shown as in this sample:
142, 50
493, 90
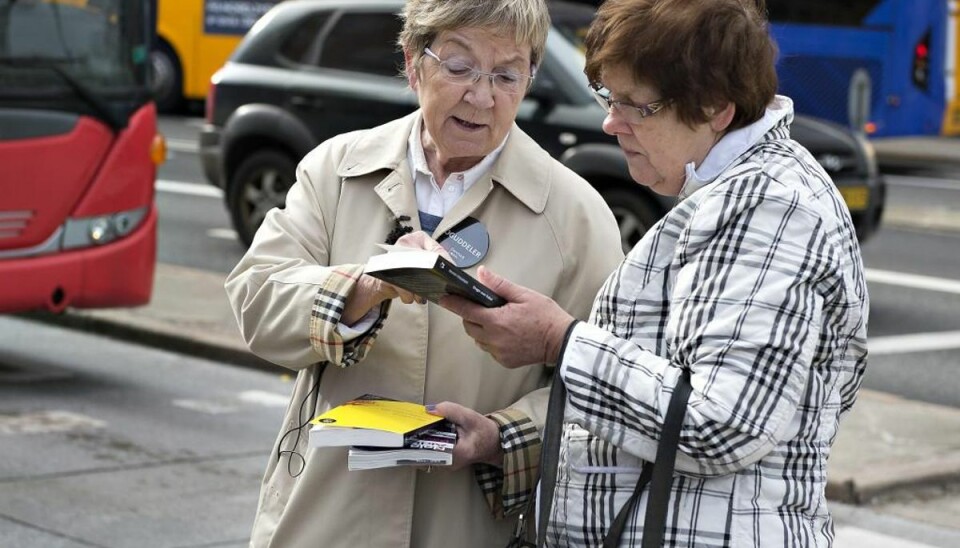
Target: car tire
259, 184
634, 212
166, 78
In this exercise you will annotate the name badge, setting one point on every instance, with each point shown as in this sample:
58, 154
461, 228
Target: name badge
467, 243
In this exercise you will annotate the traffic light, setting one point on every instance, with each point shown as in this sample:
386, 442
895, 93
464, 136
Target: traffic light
921, 63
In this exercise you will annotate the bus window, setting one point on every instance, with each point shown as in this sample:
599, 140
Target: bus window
79, 148
849, 13
194, 39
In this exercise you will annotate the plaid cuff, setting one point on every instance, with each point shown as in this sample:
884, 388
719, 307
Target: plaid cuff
325, 316
508, 489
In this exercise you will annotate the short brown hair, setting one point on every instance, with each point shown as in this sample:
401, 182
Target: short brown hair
698, 53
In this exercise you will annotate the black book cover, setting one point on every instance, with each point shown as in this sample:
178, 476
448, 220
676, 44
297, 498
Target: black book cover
431, 276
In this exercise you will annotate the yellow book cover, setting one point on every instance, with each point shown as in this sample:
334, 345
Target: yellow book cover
370, 420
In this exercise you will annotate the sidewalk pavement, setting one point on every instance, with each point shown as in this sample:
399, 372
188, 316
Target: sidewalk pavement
887, 444
918, 152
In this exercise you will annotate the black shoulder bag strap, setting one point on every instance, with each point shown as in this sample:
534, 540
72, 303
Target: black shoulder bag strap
660, 474
550, 455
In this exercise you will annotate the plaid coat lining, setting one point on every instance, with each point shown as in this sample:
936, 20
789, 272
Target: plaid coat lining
755, 284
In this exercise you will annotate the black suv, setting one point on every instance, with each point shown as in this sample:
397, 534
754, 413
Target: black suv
310, 70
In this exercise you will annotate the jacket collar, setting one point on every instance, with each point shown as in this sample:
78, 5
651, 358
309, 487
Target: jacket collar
523, 168
729, 149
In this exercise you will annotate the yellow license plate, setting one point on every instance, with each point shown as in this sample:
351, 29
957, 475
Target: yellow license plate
856, 197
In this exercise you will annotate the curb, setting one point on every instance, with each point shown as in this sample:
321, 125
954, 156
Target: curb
892, 480
917, 152
101, 324
889, 446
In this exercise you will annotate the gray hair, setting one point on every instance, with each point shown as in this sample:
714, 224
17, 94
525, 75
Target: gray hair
423, 20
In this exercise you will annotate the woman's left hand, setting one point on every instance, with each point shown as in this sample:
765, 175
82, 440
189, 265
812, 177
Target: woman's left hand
478, 436
422, 240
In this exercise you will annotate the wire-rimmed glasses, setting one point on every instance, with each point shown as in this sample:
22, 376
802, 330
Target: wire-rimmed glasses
461, 72
630, 112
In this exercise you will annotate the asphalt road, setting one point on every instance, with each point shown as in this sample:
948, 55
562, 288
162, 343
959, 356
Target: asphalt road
110, 444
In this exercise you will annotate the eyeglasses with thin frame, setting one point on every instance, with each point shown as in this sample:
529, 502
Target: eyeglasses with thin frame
630, 112
458, 71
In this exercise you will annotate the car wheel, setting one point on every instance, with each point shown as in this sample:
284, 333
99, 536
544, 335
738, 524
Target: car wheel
166, 78
634, 213
259, 184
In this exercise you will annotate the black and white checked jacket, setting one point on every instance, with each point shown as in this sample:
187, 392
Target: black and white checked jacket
754, 283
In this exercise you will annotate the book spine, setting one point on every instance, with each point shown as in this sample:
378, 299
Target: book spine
431, 445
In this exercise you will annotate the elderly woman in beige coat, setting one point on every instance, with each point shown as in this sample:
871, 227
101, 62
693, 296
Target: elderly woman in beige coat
302, 301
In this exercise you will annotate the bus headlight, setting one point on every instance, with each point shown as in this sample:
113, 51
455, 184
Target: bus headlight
91, 231
100, 230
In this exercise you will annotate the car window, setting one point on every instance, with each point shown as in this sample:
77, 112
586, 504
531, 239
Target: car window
297, 47
376, 53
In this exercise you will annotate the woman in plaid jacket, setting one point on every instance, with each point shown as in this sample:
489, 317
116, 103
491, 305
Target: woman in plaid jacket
753, 284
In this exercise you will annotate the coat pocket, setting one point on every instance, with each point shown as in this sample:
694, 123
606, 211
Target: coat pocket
594, 481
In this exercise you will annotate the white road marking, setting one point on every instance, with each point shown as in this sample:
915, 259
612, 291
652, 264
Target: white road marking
913, 281
222, 233
223, 406
266, 399
183, 145
44, 422
190, 189
852, 537
917, 342
205, 406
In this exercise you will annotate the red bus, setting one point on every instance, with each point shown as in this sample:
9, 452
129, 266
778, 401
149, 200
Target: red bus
78, 154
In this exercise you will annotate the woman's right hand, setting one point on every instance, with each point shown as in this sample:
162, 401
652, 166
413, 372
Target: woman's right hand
370, 292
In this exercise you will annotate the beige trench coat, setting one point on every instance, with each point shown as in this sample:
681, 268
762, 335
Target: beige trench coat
549, 230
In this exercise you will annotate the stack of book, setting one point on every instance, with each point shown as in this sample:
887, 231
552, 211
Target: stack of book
382, 432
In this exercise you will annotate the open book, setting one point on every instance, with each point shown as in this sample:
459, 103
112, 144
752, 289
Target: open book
371, 420
428, 274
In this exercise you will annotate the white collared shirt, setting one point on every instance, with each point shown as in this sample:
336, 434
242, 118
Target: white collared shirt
431, 198
437, 199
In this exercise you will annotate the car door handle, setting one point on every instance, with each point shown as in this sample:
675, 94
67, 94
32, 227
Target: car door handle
303, 101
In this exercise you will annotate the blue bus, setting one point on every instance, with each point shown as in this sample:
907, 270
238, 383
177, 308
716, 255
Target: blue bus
886, 67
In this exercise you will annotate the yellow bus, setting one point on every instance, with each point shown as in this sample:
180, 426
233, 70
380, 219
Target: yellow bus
194, 39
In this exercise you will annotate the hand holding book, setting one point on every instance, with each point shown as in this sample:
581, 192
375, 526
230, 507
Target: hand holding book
528, 329
428, 273
370, 291
478, 435
383, 432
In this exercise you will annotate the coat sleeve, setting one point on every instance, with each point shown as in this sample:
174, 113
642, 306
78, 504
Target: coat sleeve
590, 253
285, 295
745, 305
